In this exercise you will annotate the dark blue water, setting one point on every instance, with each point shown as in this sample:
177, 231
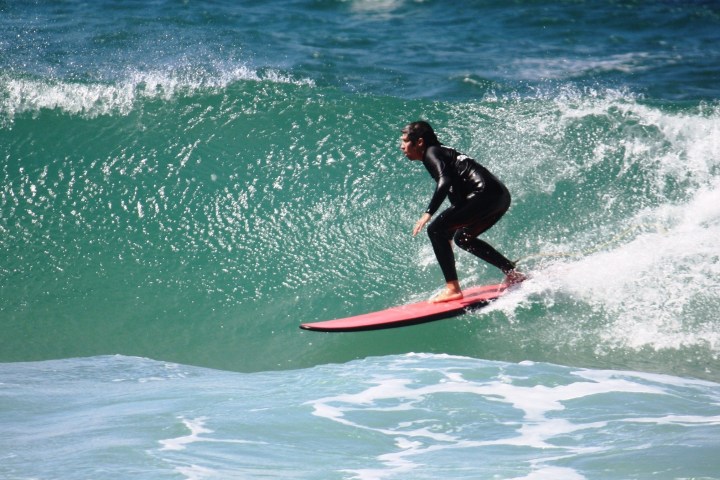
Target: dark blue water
664, 50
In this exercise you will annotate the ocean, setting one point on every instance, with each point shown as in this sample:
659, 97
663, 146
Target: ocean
184, 183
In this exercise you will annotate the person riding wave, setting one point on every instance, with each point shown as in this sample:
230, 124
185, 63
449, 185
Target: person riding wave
477, 201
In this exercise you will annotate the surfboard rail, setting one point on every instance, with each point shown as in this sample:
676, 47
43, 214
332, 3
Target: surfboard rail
412, 314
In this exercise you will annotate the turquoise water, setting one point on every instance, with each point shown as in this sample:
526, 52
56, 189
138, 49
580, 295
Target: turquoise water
184, 183
410, 416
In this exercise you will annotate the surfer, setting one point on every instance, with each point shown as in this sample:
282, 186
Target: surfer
477, 201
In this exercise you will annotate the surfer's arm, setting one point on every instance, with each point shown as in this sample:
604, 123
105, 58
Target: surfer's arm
437, 169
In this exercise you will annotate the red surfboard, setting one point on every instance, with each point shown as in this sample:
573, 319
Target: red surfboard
412, 314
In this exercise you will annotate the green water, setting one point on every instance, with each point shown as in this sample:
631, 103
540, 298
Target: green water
205, 225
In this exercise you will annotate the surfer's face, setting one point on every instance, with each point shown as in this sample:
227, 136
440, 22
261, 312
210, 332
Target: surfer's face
412, 150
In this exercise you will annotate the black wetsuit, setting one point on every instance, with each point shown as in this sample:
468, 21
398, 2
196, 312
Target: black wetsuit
478, 200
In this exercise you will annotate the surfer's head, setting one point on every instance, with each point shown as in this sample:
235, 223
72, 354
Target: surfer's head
416, 138
421, 129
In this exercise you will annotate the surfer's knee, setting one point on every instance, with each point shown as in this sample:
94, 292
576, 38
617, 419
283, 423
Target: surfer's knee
463, 240
434, 231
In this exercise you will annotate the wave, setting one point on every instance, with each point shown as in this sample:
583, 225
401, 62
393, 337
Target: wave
25, 94
218, 219
624, 254
378, 418
534, 69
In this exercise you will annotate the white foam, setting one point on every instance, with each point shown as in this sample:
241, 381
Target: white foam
533, 427
652, 288
565, 68
689, 148
23, 95
659, 285
605, 375
376, 6
686, 420
552, 473
196, 427
28, 95
681, 146
196, 472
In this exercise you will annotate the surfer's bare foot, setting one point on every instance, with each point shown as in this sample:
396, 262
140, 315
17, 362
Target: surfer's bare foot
513, 277
451, 292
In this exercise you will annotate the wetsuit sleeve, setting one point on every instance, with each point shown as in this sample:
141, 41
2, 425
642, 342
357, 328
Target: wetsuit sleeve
438, 170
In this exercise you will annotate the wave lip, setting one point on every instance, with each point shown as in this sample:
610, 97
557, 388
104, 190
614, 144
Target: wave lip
92, 99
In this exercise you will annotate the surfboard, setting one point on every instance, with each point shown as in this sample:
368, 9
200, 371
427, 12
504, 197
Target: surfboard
412, 314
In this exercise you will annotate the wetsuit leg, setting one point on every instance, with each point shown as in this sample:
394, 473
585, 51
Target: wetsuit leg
441, 232
464, 223
488, 210
483, 250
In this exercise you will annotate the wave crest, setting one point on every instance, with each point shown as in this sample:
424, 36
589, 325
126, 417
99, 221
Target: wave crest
92, 99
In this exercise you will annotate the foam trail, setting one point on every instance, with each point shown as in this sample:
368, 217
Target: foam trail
657, 290
196, 427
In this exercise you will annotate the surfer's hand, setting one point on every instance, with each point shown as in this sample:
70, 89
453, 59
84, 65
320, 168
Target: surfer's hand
421, 223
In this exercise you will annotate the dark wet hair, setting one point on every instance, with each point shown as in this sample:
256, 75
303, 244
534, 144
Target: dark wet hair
421, 129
